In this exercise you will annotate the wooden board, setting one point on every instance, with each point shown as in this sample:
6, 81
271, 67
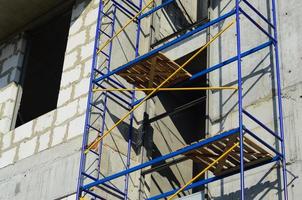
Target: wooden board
253, 153
152, 71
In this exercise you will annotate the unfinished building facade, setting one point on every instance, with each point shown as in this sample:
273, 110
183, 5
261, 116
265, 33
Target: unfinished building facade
158, 99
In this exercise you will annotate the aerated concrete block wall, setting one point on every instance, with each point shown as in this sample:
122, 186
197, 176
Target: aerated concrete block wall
40, 159
11, 60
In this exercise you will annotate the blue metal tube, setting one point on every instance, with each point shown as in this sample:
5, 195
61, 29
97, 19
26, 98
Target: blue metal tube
132, 113
258, 13
94, 195
261, 124
106, 94
256, 24
219, 65
121, 7
155, 9
112, 80
239, 83
175, 41
210, 180
89, 99
106, 185
132, 4
114, 94
164, 157
280, 109
262, 142
230, 60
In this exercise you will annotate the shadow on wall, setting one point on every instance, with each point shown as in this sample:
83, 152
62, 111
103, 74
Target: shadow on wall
259, 190
177, 18
167, 174
124, 129
187, 112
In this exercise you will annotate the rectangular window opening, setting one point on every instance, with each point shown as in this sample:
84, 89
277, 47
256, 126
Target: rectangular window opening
42, 68
183, 123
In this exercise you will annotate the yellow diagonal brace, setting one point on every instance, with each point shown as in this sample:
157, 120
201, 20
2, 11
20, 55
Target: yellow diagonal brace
203, 171
99, 138
125, 26
164, 89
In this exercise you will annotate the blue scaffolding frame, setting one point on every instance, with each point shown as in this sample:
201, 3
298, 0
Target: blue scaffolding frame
97, 76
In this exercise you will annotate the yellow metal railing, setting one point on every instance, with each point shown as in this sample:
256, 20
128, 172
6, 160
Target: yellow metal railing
125, 26
204, 171
99, 138
164, 89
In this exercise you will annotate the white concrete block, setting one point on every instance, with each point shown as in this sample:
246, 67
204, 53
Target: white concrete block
12, 61
6, 140
82, 105
96, 2
87, 50
23, 131
92, 31
91, 17
66, 112
87, 68
5, 124
64, 96
7, 157
76, 127
76, 40
8, 109
7, 51
71, 197
76, 26
81, 88
21, 45
58, 134
44, 141
70, 76
70, 60
9, 92
43, 122
27, 148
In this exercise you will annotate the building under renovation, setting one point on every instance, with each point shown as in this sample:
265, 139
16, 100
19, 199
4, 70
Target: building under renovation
150, 99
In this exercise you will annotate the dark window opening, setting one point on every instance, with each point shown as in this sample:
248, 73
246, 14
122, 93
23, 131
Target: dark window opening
177, 18
187, 111
43, 65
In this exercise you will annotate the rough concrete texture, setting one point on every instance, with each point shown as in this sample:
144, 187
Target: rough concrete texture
40, 159
259, 98
8, 96
23, 149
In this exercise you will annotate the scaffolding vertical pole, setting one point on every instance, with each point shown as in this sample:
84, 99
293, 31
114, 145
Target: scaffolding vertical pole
239, 83
105, 93
89, 101
127, 176
280, 109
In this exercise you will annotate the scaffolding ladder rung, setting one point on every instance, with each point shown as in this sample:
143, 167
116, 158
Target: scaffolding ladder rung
105, 33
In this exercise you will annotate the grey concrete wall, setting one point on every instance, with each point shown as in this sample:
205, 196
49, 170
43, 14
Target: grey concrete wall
259, 97
11, 60
39, 160
176, 17
39, 148
170, 133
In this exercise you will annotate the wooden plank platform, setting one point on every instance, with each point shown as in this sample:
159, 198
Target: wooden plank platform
152, 71
253, 154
